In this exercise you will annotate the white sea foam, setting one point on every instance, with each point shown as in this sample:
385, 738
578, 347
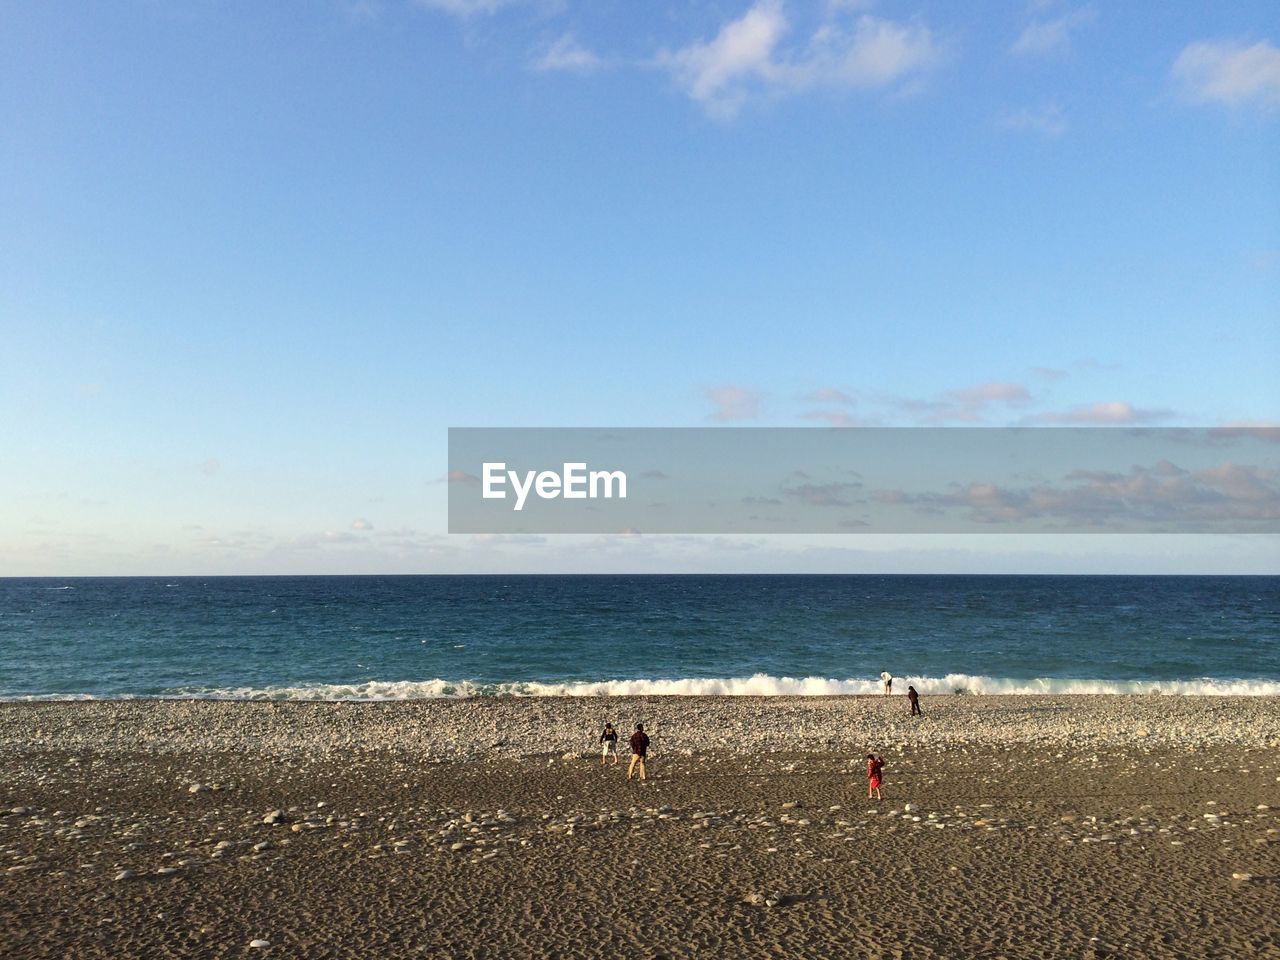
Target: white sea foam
760, 685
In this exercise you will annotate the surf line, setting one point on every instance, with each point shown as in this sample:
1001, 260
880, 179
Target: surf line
574, 482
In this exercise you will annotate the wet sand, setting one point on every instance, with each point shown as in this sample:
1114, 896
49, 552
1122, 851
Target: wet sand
1009, 827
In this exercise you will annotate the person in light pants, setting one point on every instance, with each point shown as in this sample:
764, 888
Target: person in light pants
608, 744
639, 747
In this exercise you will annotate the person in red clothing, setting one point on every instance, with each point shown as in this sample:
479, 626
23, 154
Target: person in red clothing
639, 747
875, 767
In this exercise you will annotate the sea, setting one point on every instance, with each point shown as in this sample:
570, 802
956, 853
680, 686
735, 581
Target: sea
405, 637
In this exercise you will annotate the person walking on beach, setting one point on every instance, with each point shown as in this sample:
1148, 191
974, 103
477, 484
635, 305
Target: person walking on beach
639, 747
887, 677
915, 701
608, 744
875, 768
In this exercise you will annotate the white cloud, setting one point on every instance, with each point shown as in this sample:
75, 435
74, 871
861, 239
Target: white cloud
1042, 37
361, 524
466, 8
1229, 73
1048, 120
874, 53
733, 402
747, 58
1112, 412
567, 54
715, 73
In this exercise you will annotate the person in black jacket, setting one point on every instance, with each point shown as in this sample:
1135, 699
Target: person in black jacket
608, 744
639, 747
915, 701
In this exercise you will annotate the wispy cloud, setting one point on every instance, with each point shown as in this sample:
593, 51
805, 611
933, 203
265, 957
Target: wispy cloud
733, 402
968, 405
508, 539
1229, 73
1042, 37
1158, 493
1263, 429
837, 494
838, 418
747, 57
830, 395
985, 393
1050, 373
466, 8
567, 55
1113, 412
1265, 260
313, 541
361, 524
1047, 120
837, 409
362, 11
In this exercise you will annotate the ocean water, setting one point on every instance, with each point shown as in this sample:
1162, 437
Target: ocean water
397, 637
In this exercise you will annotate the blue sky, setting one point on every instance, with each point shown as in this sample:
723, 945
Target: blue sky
255, 259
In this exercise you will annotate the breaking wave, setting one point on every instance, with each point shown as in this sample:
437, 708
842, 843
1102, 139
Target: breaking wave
759, 685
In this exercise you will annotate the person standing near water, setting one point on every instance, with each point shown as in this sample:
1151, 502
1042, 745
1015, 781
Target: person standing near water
915, 701
875, 768
639, 747
608, 744
887, 677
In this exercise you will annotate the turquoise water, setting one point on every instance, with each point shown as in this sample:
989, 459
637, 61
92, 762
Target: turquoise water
430, 636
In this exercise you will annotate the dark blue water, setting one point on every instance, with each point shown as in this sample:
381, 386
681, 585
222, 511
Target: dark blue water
424, 636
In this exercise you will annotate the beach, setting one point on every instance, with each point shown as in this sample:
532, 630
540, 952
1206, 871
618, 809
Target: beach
1010, 826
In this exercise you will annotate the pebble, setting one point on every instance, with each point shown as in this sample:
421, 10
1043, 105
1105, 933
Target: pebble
716, 726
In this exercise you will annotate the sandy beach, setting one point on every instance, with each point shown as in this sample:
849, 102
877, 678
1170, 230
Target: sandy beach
1009, 827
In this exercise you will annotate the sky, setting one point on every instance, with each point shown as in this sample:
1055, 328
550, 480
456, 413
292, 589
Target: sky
256, 259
